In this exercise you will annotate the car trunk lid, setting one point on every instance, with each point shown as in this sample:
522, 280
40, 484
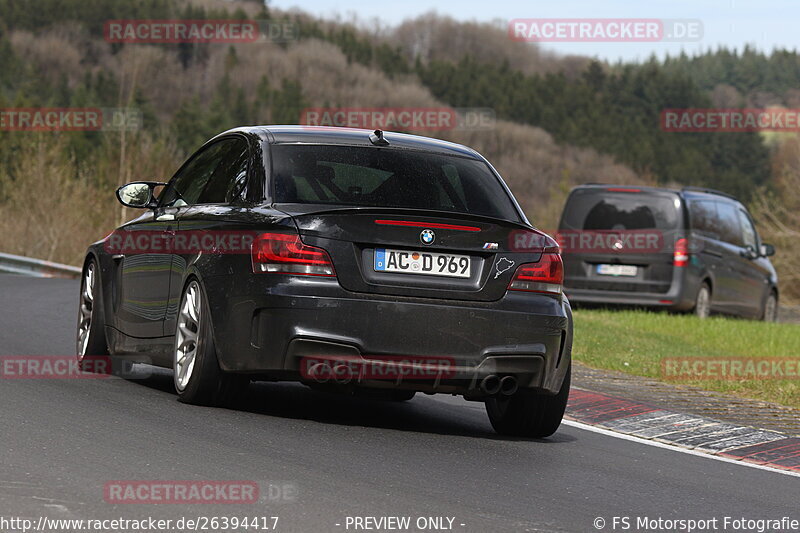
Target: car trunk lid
360, 239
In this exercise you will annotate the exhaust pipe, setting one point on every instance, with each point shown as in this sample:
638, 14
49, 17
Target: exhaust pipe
490, 385
508, 385
320, 372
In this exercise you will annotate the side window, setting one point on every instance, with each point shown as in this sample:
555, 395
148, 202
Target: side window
230, 176
731, 231
704, 220
748, 231
188, 184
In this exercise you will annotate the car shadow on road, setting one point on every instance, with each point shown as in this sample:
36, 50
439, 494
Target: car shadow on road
421, 414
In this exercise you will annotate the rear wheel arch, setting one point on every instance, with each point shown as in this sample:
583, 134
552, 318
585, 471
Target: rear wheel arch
708, 281
96, 338
101, 279
207, 384
194, 275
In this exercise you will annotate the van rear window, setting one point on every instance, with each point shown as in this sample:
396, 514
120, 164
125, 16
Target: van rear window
607, 210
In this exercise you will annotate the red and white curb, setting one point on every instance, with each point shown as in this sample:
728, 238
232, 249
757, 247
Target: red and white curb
740, 443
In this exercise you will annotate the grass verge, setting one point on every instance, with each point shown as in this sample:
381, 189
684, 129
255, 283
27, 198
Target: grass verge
685, 350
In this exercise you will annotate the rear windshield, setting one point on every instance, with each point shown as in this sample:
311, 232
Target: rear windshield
608, 210
386, 177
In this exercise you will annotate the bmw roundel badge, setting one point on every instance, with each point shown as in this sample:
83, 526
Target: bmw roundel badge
427, 236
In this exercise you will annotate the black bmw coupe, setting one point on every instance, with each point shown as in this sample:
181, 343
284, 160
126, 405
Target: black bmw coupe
349, 260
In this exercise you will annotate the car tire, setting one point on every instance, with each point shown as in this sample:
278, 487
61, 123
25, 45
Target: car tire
90, 339
769, 312
529, 415
702, 303
198, 378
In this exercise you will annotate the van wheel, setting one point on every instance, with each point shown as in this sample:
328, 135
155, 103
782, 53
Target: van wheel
702, 304
529, 415
770, 311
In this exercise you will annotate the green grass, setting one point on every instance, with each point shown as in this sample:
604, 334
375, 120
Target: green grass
636, 342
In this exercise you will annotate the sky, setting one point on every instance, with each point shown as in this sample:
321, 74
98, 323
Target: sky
766, 24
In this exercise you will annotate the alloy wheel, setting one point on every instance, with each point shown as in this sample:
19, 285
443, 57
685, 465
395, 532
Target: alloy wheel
187, 337
85, 310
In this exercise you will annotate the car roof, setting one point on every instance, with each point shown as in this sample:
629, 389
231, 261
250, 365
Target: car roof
695, 193
352, 137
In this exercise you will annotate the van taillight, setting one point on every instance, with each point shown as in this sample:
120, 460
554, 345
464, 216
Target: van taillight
545, 276
285, 253
681, 254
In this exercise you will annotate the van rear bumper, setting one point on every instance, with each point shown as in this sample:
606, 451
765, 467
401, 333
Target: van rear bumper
680, 296
674, 299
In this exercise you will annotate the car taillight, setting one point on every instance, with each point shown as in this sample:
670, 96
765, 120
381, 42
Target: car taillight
681, 254
286, 253
545, 276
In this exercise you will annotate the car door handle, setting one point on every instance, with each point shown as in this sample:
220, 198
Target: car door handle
117, 257
165, 216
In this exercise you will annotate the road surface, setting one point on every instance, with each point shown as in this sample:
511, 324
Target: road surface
320, 458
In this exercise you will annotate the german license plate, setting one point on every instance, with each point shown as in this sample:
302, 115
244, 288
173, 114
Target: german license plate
411, 262
617, 270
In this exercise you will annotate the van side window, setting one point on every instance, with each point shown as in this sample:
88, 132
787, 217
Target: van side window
729, 224
704, 219
748, 231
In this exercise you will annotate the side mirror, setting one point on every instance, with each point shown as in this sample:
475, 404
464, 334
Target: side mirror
138, 194
767, 250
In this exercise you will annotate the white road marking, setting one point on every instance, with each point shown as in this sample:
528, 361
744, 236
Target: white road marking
631, 438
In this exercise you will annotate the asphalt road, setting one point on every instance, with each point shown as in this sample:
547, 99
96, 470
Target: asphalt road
327, 457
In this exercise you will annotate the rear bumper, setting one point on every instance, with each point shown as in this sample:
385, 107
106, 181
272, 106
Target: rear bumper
269, 324
669, 300
680, 296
